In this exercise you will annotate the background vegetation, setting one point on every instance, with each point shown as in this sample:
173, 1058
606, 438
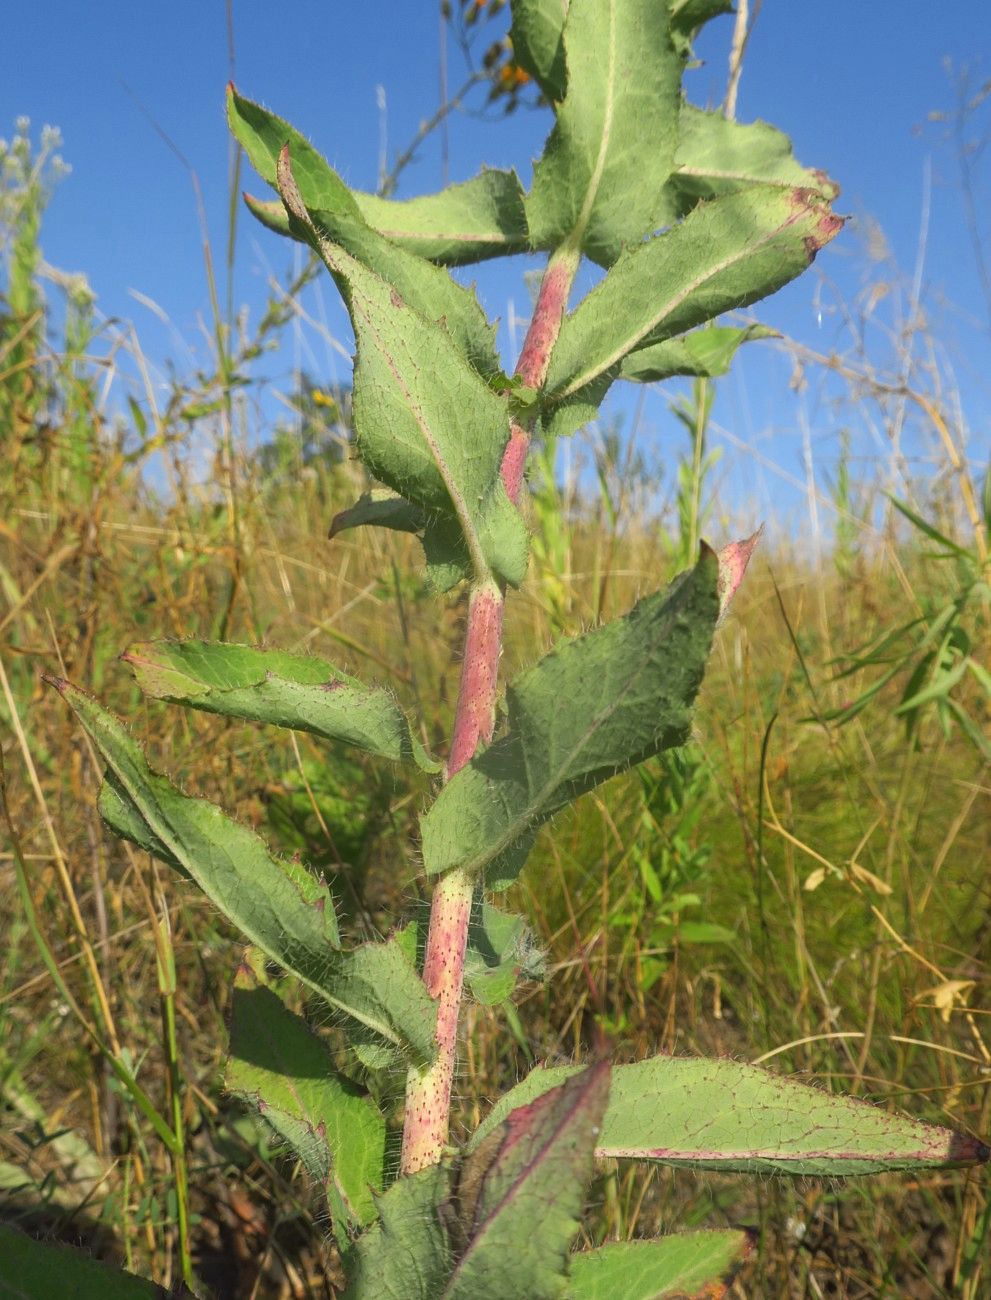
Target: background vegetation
806, 883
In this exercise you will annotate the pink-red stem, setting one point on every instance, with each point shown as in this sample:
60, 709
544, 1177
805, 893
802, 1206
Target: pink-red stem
428, 1092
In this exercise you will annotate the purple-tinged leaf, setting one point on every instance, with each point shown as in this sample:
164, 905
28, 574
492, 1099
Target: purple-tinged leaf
520, 1191
727, 1115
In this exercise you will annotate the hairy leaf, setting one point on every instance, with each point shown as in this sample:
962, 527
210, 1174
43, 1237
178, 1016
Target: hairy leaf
464, 223
686, 1264
727, 1115
35, 1270
283, 1070
337, 215
304, 692
705, 352
278, 905
623, 87
726, 254
718, 156
519, 1194
687, 16
426, 423
536, 32
635, 680
500, 951
405, 1256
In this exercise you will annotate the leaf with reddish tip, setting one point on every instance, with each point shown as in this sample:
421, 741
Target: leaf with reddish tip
685, 1265
726, 254
426, 423
519, 1194
733, 560
304, 692
636, 679
727, 1115
278, 904
336, 212
278, 1066
717, 155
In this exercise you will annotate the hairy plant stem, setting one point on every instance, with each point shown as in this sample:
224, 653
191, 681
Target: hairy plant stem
428, 1092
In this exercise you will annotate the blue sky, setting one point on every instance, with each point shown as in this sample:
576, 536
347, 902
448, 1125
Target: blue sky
853, 84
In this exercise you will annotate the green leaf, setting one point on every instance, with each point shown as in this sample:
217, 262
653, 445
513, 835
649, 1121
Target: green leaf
704, 932
726, 1115
382, 508
447, 559
284, 1071
465, 223
623, 89
718, 156
706, 352
336, 214
500, 951
281, 908
536, 32
426, 423
405, 1256
304, 692
724, 255
35, 1270
519, 1194
635, 680
686, 1264
687, 16
461, 224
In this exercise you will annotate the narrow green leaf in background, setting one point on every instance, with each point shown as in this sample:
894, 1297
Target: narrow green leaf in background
283, 1070
637, 679
727, 1115
426, 423
277, 904
684, 1264
724, 255
304, 692
623, 84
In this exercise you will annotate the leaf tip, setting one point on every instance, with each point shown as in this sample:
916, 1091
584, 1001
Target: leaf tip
733, 560
61, 684
967, 1150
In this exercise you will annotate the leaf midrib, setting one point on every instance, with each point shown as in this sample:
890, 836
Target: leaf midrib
582, 379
